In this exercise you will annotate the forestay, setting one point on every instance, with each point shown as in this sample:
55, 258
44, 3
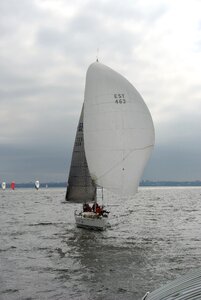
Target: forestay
118, 130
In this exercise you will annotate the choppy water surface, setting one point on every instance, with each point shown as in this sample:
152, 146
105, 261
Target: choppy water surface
153, 238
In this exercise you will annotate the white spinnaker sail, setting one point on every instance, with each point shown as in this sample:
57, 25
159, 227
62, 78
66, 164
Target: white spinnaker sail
118, 130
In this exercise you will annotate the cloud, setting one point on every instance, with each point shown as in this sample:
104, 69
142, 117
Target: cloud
172, 162
46, 47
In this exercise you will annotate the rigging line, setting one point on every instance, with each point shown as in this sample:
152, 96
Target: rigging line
113, 167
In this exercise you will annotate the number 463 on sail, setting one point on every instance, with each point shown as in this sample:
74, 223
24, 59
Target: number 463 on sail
119, 98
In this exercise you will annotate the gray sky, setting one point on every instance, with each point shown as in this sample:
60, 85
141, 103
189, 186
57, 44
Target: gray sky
46, 47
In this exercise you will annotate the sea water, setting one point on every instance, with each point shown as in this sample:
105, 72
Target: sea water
153, 238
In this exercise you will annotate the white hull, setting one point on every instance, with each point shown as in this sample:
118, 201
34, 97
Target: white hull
91, 220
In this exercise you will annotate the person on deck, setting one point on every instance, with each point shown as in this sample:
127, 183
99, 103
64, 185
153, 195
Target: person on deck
86, 207
94, 207
99, 210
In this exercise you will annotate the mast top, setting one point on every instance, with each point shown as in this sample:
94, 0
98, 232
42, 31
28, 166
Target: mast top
97, 55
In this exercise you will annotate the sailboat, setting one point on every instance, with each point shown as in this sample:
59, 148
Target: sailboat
12, 185
3, 185
114, 140
37, 184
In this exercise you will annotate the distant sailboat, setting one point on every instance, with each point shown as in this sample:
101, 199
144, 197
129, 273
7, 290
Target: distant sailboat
37, 184
3, 185
12, 185
114, 140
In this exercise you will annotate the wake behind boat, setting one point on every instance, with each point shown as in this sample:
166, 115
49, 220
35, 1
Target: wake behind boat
114, 140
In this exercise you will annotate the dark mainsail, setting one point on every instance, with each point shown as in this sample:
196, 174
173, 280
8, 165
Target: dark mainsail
80, 186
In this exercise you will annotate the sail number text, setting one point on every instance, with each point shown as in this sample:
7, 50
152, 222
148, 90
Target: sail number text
119, 98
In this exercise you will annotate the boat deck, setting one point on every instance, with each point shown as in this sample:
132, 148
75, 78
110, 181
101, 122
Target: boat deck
187, 287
